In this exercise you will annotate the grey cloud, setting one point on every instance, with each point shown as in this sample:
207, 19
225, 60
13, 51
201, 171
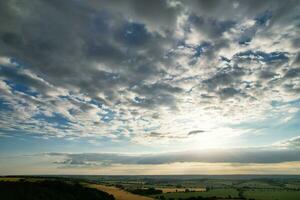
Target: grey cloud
173, 136
156, 94
26, 78
212, 28
238, 10
296, 43
225, 76
297, 59
292, 73
231, 80
293, 143
229, 92
158, 14
214, 156
158, 135
267, 74
65, 48
194, 132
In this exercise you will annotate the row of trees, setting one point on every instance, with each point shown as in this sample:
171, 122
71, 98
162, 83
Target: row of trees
148, 191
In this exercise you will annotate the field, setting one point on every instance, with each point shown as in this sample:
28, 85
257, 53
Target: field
272, 194
118, 193
224, 193
185, 187
9, 179
247, 187
168, 190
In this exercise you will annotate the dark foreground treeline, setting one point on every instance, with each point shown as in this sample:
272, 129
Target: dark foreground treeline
49, 190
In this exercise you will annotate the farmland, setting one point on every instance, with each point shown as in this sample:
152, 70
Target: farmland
218, 187
183, 187
262, 194
223, 193
119, 194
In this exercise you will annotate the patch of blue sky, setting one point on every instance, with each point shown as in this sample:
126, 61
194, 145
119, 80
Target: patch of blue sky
108, 116
245, 40
197, 49
5, 106
263, 56
21, 88
200, 49
21, 142
18, 81
138, 100
295, 103
98, 103
260, 21
56, 119
119, 132
15, 62
152, 128
134, 34
18, 63
270, 131
263, 18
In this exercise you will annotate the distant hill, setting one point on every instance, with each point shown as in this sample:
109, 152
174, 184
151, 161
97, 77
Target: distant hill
49, 190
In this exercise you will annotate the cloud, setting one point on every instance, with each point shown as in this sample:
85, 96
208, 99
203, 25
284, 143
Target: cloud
254, 155
139, 69
293, 143
194, 132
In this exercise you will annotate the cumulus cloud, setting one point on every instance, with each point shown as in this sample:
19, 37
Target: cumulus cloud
145, 69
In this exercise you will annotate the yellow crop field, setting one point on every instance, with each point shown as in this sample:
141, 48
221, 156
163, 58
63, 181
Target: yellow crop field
166, 190
118, 193
9, 179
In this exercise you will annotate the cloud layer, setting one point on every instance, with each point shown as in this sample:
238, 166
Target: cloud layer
146, 71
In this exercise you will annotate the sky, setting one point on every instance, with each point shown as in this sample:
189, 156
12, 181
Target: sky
149, 87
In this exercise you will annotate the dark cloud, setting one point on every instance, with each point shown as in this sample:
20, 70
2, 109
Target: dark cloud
65, 48
212, 28
171, 136
271, 57
292, 73
267, 74
228, 92
25, 78
224, 77
156, 94
212, 156
195, 132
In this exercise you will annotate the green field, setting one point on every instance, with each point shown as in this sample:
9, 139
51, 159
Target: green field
215, 192
252, 187
272, 194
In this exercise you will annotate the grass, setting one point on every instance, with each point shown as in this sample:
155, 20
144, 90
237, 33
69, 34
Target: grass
215, 192
260, 194
257, 184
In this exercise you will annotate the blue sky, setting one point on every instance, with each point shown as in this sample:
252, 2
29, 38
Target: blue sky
116, 87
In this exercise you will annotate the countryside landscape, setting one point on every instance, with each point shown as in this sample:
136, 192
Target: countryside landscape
178, 187
149, 99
